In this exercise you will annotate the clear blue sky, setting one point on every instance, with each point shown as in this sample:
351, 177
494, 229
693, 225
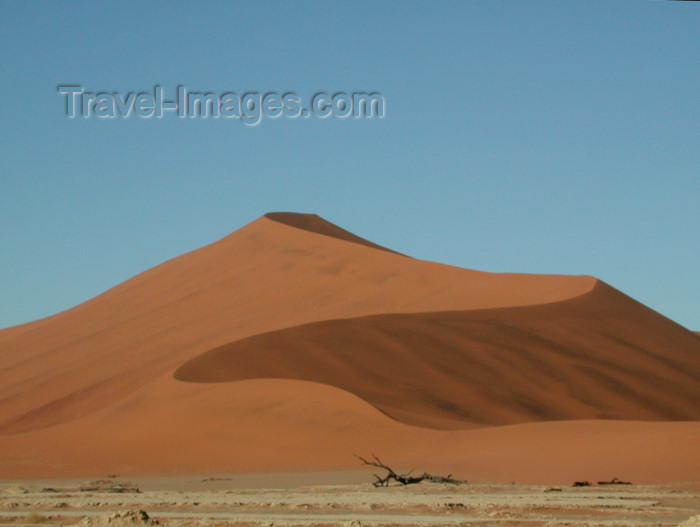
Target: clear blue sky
544, 137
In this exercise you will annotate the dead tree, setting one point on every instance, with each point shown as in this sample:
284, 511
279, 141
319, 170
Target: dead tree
403, 479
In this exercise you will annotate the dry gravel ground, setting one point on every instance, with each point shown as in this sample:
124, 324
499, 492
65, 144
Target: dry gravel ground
220, 502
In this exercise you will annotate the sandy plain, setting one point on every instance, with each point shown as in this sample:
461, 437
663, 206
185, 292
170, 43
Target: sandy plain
336, 499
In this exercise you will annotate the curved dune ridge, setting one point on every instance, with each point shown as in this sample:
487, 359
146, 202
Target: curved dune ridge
577, 359
292, 344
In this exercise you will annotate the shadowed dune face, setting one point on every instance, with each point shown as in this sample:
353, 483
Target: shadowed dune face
316, 224
578, 359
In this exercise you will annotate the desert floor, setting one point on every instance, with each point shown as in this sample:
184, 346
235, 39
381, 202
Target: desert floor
318, 499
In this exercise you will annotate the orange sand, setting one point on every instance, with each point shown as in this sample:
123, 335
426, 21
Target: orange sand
292, 344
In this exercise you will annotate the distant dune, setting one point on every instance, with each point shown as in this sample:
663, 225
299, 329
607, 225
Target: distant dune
292, 344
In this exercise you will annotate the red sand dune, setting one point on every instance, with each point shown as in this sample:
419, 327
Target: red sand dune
292, 344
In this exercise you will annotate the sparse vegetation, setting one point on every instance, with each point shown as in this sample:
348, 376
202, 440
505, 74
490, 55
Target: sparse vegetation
614, 481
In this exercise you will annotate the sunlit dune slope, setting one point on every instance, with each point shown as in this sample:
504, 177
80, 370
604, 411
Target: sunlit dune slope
271, 274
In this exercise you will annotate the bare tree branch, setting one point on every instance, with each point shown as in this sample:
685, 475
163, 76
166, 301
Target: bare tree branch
403, 479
